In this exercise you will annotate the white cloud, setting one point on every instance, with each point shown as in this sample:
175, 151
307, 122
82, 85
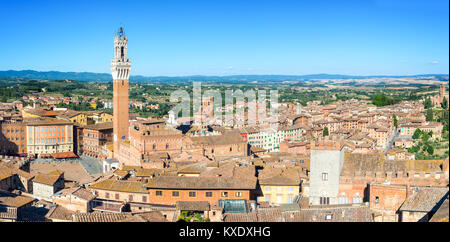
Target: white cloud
434, 62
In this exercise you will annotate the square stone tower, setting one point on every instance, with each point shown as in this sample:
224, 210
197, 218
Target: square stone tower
120, 69
327, 159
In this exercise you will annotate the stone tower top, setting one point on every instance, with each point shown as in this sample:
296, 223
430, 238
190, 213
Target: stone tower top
120, 64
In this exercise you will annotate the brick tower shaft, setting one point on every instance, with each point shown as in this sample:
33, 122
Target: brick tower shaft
120, 69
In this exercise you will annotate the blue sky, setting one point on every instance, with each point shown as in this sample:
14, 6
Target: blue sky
227, 37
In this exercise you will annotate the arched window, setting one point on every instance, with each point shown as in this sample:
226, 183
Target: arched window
154, 146
121, 52
167, 146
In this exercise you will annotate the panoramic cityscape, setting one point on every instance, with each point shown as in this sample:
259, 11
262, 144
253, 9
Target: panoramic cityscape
239, 144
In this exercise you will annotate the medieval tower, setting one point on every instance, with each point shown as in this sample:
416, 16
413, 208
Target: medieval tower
120, 69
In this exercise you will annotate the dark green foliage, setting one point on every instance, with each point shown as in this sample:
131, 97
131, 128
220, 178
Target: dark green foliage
325, 131
381, 100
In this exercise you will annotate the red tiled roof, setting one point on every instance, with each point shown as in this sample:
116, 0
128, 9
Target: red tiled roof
64, 155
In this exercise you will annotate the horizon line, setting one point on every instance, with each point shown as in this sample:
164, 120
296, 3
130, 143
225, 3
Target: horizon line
205, 75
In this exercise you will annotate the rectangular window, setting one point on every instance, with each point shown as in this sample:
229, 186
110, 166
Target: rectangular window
268, 189
117, 196
209, 194
159, 193
290, 199
267, 198
224, 194
144, 199
324, 200
175, 194
192, 194
107, 195
130, 198
238, 194
324, 176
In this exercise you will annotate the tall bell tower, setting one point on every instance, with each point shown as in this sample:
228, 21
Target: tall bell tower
120, 69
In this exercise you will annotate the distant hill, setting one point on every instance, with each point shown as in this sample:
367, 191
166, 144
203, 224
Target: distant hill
106, 77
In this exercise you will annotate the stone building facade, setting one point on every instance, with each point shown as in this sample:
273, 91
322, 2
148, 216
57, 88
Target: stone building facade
327, 159
49, 136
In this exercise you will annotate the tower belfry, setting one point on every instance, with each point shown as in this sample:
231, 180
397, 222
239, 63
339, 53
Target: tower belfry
120, 69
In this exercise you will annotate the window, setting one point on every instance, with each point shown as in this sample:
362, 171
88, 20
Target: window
209, 194
154, 146
144, 199
267, 198
279, 199
107, 195
159, 193
268, 189
224, 194
167, 146
290, 199
377, 199
117, 196
238, 194
130, 198
328, 216
291, 189
175, 194
192, 194
324, 200
324, 176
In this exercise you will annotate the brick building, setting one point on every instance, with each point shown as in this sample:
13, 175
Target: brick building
93, 137
12, 138
169, 190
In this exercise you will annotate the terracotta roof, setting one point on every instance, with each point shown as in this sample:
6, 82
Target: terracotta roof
121, 186
441, 214
218, 139
13, 200
100, 126
425, 199
339, 214
167, 182
5, 172
46, 121
49, 179
279, 180
100, 217
59, 213
64, 155
152, 216
79, 192
259, 215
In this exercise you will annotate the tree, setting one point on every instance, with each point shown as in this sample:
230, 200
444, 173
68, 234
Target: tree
382, 100
395, 121
417, 134
444, 103
429, 115
325, 132
428, 104
430, 150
